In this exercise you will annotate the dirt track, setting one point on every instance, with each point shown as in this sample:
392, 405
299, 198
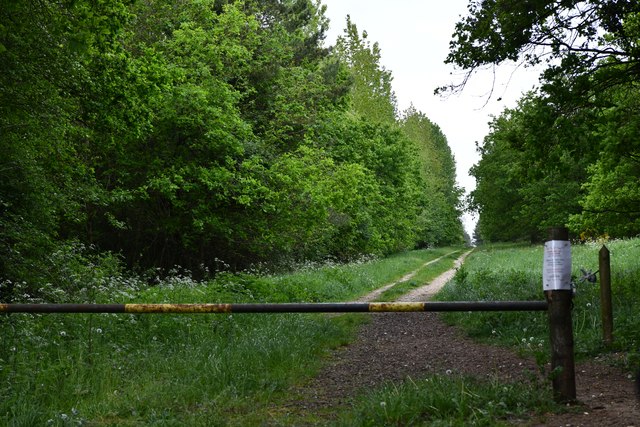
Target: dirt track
394, 346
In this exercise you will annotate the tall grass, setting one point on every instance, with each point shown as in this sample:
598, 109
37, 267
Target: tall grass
508, 273
107, 369
142, 369
443, 400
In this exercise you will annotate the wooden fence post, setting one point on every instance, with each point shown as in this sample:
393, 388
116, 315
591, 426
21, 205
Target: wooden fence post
606, 310
558, 293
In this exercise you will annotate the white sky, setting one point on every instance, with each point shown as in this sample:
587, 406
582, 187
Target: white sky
414, 39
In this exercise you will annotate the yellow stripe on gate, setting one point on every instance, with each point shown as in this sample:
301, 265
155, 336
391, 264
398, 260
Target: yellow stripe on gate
177, 308
396, 306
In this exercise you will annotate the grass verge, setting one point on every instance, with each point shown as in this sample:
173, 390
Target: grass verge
226, 369
515, 273
448, 400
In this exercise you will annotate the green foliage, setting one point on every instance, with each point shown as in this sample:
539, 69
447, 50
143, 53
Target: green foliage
439, 218
533, 163
496, 197
388, 158
177, 134
415, 168
572, 143
588, 46
612, 201
540, 169
371, 95
49, 54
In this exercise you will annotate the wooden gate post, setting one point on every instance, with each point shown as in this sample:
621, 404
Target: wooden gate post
606, 310
559, 295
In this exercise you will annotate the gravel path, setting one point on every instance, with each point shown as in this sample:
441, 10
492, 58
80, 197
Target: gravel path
394, 346
433, 287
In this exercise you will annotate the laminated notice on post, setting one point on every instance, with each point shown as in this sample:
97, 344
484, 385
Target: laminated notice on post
556, 272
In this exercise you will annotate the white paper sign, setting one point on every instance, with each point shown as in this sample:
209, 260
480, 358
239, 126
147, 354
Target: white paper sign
556, 271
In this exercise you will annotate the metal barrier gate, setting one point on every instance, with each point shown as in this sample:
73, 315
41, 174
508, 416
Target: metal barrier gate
556, 286
562, 356
372, 307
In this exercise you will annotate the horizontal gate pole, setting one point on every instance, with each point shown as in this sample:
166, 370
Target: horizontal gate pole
374, 307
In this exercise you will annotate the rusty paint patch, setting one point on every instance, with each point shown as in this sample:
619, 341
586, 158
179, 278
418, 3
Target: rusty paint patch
396, 306
177, 308
4, 308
